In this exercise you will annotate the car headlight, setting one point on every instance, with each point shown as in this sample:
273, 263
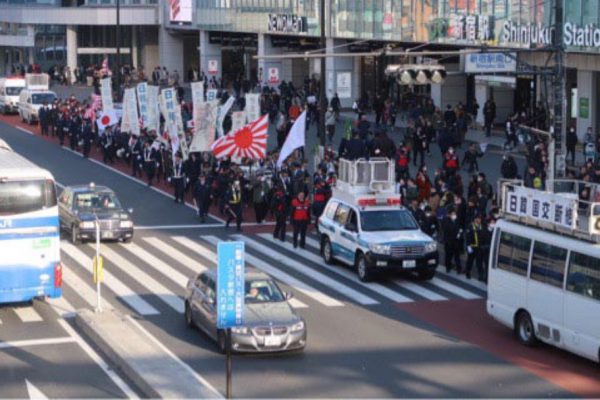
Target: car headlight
240, 330
384, 249
124, 216
298, 326
126, 224
430, 247
87, 225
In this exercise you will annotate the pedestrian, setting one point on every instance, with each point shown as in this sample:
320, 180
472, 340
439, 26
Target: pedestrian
402, 159
87, 136
202, 197
451, 164
74, 130
300, 215
453, 241
260, 190
419, 145
474, 251
320, 197
178, 178
62, 127
571, 143
135, 156
489, 114
107, 142
330, 121
233, 206
279, 210
508, 168
470, 158
44, 117
149, 159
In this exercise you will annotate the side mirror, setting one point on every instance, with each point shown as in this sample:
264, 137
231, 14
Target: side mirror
289, 295
130, 210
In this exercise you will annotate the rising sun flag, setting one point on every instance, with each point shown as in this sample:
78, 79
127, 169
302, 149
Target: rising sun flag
250, 141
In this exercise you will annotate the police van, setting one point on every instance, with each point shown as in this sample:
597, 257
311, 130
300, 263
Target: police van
544, 266
33, 97
10, 88
365, 226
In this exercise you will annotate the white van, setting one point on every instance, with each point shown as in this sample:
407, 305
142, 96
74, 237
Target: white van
10, 88
543, 282
30, 102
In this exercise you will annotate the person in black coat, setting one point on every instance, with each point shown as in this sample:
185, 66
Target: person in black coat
178, 179
135, 156
74, 130
108, 146
149, 160
44, 117
355, 148
453, 241
508, 169
202, 195
571, 143
62, 127
86, 136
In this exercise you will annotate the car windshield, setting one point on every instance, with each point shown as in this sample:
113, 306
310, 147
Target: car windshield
13, 91
97, 201
263, 291
387, 220
40, 98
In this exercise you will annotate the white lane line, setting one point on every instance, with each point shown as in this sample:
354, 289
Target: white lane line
159, 265
153, 286
285, 278
420, 290
309, 272
62, 306
295, 303
184, 259
198, 249
36, 342
471, 282
27, 131
342, 271
27, 314
169, 227
79, 286
460, 292
129, 393
134, 301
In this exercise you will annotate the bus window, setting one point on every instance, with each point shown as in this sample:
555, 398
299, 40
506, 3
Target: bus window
584, 275
548, 264
18, 197
513, 253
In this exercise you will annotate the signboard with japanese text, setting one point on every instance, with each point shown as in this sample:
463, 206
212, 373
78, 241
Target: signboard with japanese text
130, 121
211, 94
252, 106
230, 284
142, 97
153, 109
183, 146
554, 208
213, 67
205, 126
471, 28
106, 94
490, 62
169, 103
344, 85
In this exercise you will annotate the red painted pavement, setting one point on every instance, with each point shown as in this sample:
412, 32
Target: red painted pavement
468, 321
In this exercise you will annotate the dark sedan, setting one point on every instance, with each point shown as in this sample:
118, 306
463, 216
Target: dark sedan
82, 205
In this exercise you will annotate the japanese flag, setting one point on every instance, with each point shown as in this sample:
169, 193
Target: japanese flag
106, 118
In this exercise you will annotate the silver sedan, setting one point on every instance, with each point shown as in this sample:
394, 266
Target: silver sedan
270, 323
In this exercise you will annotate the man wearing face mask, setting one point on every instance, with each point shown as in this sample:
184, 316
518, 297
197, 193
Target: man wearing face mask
453, 241
430, 223
233, 208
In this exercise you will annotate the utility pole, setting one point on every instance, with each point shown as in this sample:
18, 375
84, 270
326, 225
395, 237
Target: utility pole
323, 96
118, 38
559, 89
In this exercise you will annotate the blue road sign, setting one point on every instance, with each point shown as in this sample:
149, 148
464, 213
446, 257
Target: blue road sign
230, 284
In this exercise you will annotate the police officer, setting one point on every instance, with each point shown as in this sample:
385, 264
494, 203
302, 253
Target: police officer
233, 206
149, 159
453, 241
62, 127
279, 209
178, 178
202, 196
86, 136
319, 197
44, 116
107, 142
300, 218
260, 190
74, 130
135, 156
474, 250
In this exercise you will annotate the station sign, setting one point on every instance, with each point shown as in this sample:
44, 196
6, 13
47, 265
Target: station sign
490, 62
230, 284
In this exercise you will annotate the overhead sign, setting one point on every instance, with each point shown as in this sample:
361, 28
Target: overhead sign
213, 67
554, 208
273, 75
471, 28
230, 284
287, 23
490, 62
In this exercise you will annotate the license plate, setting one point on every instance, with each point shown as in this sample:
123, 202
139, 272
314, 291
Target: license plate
409, 263
107, 235
272, 341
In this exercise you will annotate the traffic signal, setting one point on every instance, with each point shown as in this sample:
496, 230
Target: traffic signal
415, 74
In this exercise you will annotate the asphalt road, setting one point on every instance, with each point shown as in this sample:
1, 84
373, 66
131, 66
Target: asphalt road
393, 338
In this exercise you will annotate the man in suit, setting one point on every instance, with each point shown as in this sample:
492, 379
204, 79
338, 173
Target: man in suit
178, 178
44, 116
86, 136
135, 156
149, 159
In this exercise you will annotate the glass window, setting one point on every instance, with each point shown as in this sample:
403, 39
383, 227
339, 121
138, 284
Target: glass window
548, 264
330, 211
17, 197
341, 214
388, 220
584, 275
513, 253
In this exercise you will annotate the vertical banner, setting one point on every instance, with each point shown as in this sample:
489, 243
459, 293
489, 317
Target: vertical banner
131, 111
183, 146
238, 120
170, 110
223, 110
207, 120
211, 94
153, 109
142, 97
106, 94
197, 99
252, 107
230, 284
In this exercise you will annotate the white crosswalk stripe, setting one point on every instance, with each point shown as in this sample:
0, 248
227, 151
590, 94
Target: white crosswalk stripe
62, 306
154, 287
458, 291
125, 293
198, 249
376, 287
27, 314
175, 254
85, 291
283, 277
156, 263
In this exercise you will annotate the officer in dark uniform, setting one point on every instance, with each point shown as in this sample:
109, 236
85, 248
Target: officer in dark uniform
474, 236
135, 156
53, 119
149, 159
201, 196
178, 178
279, 209
319, 197
62, 127
453, 241
87, 136
233, 206
44, 116
108, 146
74, 130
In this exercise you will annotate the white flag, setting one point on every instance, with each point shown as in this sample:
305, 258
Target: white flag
222, 112
295, 139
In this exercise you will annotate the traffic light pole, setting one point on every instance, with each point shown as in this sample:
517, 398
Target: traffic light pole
323, 88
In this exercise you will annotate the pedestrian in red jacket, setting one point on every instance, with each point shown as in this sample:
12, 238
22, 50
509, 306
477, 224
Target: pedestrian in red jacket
300, 218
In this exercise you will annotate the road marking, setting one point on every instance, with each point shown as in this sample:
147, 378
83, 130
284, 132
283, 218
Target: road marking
27, 314
420, 290
460, 292
130, 394
27, 131
198, 249
36, 342
80, 287
159, 265
62, 306
33, 392
342, 271
140, 305
169, 227
154, 287
184, 259
283, 277
309, 272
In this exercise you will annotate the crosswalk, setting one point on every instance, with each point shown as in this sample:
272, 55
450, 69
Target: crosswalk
148, 277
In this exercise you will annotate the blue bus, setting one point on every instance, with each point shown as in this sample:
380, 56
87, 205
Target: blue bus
29, 230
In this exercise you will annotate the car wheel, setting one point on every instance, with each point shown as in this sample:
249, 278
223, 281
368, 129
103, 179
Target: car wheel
524, 329
426, 274
363, 271
189, 318
221, 342
75, 235
326, 250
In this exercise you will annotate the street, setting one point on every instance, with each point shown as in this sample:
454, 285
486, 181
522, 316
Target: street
396, 337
